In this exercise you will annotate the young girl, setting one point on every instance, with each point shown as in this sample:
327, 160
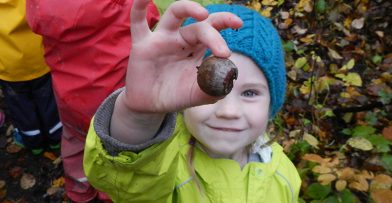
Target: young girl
139, 150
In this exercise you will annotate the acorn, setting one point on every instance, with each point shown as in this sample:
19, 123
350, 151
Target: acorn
216, 76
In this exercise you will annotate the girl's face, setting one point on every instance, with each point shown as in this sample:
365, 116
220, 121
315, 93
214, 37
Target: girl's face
226, 128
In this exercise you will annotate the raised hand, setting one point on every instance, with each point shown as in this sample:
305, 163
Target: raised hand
161, 75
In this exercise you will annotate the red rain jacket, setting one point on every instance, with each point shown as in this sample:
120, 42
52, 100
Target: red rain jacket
87, 44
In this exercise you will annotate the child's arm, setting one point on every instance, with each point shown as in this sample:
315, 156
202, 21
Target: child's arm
161, 75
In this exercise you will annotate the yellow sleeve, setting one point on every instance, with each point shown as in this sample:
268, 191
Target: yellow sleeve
147, 176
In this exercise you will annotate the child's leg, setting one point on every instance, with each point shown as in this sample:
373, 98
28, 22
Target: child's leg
76, 186
18, 98
47, 109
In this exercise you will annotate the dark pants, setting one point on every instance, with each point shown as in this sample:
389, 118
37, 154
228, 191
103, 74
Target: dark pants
32, 108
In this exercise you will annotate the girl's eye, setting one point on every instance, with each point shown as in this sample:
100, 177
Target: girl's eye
249, 93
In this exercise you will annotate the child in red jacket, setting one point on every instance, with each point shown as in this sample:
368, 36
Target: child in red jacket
87, 46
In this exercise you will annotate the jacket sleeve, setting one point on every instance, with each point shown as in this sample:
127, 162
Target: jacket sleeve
124, 174
75, 20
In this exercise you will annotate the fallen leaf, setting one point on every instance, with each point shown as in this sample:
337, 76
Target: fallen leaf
304, 5
333, 54
358, 23
340, 185
15, 172
255, 5
53, 190
299, 30
266, 12
3, 193
9, 130
360, 143
269, 2
380, 33
353, 79
57, 161
27, 181
300, 62
387, 133
325, 179
284, 15
50, 156
13, 148
59, 182
311, 140
382, 196
2, 184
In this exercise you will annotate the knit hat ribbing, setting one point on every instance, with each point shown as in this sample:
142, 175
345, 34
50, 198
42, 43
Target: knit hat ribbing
259, 40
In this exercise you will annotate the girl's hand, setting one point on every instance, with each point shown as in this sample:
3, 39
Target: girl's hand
161, 75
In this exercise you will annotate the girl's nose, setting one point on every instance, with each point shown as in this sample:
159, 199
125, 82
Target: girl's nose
229, 107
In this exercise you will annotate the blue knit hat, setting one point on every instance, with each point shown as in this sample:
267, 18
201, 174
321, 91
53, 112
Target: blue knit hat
259, 40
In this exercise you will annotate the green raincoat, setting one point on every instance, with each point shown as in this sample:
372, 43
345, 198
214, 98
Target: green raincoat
160, 173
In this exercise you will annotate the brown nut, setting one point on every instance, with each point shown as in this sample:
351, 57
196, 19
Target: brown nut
215, 76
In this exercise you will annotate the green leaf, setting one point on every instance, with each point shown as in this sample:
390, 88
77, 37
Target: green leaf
301, 147
385, 97
386, 161
371, 118
377, 59
348, 197
300, 62
321, 6
353, 79
289, 46
363, 131
300, 200
347, 131
350, 64
331, 199
381, 144
318, 191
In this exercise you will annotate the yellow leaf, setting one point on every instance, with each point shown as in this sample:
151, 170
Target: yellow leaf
308, 39
269, 2
59, 182
323, 83
304, 5
326, 179
305, 88
360, 143
266, 12
353, 79
340, 185
311, 140
322, 169
255, 5
300, 62
350, 64
347, 22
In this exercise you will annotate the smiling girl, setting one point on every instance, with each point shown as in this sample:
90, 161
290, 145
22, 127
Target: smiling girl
140, 150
